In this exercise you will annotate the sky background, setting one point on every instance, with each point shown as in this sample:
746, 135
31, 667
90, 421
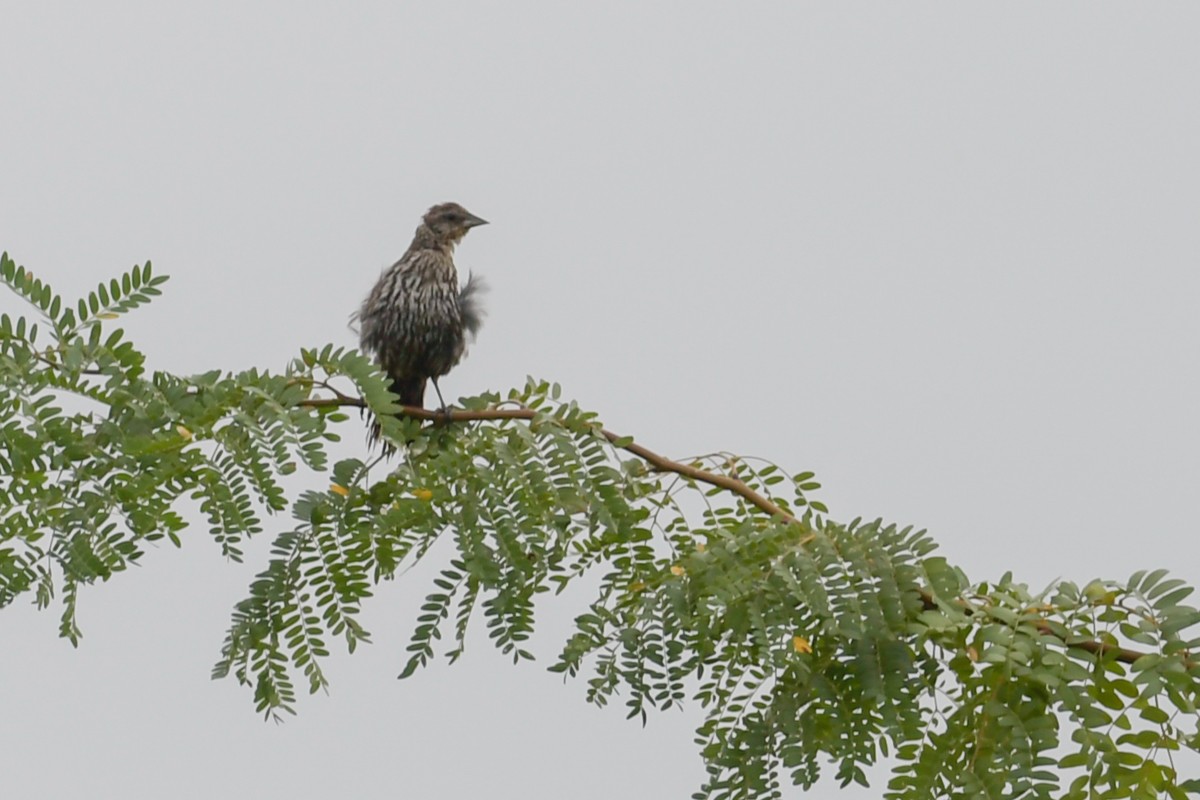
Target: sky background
943, 254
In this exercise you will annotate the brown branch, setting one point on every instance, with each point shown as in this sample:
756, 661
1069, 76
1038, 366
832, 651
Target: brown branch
659, 462
730, 484
1098, 649
52, 363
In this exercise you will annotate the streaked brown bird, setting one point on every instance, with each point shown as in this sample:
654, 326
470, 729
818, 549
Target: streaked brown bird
416, 320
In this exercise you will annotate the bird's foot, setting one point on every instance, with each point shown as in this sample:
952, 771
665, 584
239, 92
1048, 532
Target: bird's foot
443, 411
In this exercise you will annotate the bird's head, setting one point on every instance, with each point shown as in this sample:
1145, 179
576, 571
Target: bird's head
450, 222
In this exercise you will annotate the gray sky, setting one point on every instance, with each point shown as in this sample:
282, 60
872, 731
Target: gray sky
943, 254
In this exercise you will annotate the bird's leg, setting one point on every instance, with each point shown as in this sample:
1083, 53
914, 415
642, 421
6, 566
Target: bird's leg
445, 411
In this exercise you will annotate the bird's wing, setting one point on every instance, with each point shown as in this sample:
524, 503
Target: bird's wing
470, 307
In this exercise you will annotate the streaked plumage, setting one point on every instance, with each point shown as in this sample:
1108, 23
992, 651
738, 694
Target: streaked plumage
416, 320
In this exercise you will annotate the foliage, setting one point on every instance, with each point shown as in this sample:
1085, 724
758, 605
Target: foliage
811, 644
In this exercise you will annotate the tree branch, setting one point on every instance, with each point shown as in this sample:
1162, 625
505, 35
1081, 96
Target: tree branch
663, 464
659, 462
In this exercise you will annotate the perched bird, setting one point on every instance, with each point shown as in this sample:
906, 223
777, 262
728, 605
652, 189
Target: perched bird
416, 320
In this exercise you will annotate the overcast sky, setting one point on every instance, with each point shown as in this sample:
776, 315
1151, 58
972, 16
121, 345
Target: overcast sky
943, 254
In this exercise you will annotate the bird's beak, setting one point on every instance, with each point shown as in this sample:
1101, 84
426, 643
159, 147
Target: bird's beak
474, 221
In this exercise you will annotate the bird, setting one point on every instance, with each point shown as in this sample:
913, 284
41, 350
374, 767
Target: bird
417, 320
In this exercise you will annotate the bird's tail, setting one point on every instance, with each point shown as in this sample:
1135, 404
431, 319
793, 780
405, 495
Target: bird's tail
411, 392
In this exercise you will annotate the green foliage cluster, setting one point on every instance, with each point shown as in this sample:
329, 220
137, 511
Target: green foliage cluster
83, 492
812, 645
